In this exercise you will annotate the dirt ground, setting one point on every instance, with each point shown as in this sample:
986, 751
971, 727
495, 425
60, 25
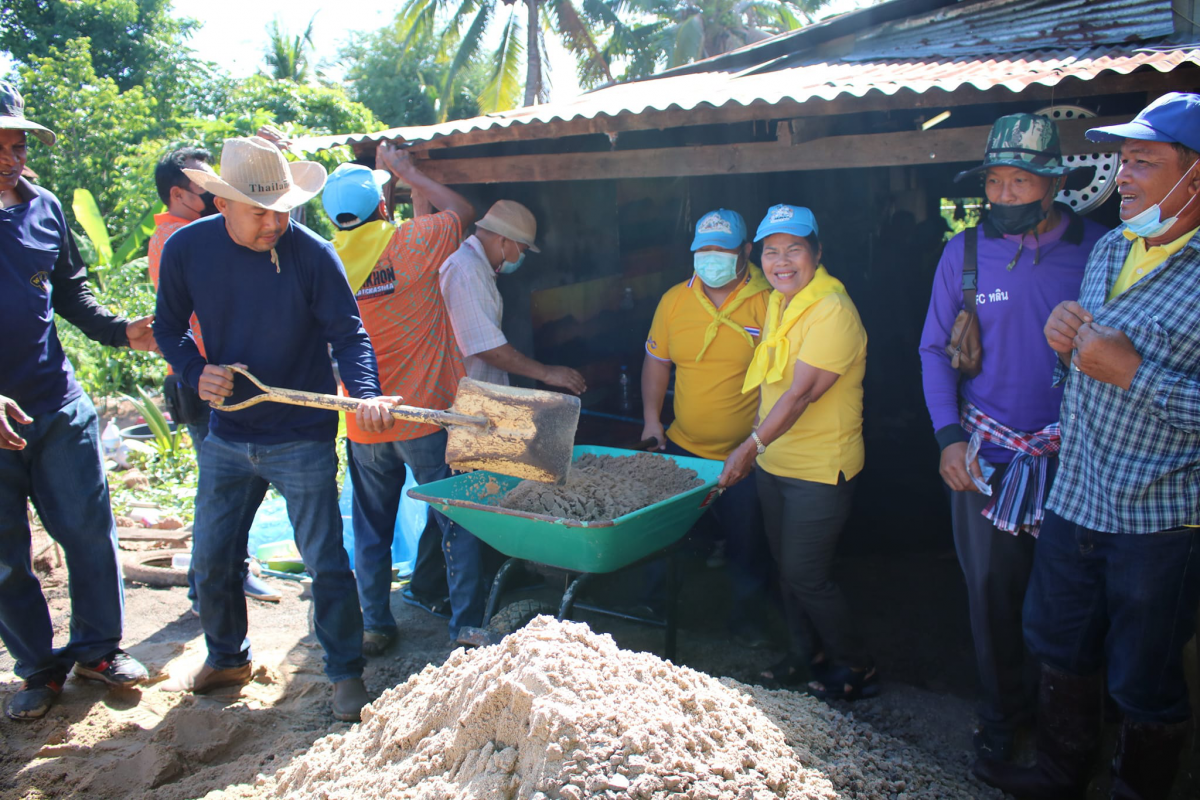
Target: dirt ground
100, 743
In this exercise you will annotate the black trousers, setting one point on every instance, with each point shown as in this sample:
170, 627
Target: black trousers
996, 566
803, 521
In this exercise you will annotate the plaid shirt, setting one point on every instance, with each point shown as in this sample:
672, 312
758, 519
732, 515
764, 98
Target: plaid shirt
1130, 460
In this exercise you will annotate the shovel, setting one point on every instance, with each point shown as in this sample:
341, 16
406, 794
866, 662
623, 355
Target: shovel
526, 433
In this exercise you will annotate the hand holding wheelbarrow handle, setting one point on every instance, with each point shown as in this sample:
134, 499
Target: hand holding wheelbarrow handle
331, 402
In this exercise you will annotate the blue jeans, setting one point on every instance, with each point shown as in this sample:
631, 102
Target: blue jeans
1117, 600
61, 471
234, 477
377, 471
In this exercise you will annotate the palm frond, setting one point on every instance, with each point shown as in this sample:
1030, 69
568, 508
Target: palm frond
503, 88
416, 21
580, 39
468, 50
688, 45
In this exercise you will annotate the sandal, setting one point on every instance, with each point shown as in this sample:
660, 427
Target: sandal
439, 607
790, 671
854, 684
374, 643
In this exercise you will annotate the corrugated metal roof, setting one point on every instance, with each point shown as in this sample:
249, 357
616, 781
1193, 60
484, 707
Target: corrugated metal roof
817, 80
1007, 26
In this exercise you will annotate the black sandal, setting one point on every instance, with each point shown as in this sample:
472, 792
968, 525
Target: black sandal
789, 671
843, 683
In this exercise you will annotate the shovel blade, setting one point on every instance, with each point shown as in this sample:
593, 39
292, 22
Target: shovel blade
531, 435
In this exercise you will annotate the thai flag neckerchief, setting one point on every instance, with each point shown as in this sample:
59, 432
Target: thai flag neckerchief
1020, 505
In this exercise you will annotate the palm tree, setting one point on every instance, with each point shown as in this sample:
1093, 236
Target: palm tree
287, 57
670, 33
521, 34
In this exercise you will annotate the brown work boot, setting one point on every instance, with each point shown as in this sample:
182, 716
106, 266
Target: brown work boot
349, 697
1068, 733
1146, 760
202, 678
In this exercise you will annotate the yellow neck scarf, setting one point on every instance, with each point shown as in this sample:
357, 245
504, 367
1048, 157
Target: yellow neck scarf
752, 284
361, 248
774, 351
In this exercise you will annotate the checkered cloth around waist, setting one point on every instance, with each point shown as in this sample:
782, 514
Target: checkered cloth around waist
1020, 503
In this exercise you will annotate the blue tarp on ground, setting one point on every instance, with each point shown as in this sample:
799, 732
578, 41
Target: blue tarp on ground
271, 525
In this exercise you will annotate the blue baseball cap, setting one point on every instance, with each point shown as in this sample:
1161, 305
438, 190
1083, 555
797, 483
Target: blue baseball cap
721, 228
796, 220
353, 189
1174, 117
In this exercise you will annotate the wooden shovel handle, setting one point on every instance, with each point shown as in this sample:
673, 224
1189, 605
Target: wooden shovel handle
295, 397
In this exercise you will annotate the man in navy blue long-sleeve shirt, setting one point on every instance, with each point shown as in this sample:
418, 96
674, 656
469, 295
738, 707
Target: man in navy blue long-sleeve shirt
270, 295
49, 439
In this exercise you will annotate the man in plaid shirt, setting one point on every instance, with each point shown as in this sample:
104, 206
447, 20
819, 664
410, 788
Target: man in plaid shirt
1116, 576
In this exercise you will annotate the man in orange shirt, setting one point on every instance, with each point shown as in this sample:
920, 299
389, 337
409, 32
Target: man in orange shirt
394, 273
186, 202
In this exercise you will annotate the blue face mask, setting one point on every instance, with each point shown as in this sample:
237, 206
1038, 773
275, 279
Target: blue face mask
715, 268
511, 266
1150, 224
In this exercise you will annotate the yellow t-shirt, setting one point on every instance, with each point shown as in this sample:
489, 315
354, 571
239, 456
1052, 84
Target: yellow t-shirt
828, 438
1143, 260
712, 416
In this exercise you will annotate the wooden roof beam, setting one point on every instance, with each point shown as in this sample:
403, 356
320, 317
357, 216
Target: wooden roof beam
904, 148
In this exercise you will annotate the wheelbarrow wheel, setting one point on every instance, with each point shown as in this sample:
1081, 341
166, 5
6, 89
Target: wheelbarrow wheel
515, 616
153, 568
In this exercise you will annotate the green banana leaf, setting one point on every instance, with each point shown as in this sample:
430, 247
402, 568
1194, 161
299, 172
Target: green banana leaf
88, 216
138, 236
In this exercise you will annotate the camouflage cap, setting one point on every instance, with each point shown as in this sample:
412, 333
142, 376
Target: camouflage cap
1025, 141
12, 115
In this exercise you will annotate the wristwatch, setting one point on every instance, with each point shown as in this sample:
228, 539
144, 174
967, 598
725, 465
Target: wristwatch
758, 443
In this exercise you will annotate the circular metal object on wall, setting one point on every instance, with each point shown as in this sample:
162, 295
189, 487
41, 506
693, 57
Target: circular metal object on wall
1105, 165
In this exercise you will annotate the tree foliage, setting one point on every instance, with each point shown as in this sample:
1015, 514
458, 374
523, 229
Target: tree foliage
404, 85
131, 39
519, 30
649, 35
288, 57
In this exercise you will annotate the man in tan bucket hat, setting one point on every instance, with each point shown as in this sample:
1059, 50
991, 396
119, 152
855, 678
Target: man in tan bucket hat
468, 282
272, 296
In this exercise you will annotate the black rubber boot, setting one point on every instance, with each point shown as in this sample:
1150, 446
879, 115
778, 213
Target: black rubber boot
1146, 760
1068, 734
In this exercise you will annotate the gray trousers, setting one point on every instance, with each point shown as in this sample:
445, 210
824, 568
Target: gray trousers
803, 522
996, 567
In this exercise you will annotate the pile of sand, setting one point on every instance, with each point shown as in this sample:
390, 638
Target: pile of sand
556, 711
604, 487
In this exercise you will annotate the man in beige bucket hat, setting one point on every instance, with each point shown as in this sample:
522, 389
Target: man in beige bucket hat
468, 282
272, 296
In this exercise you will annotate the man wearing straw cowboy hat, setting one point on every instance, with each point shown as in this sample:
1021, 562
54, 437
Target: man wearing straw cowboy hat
269, 295
49, 439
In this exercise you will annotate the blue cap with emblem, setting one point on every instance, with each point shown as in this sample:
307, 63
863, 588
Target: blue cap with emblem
1174, 117
352, 192
721, 228
796, 220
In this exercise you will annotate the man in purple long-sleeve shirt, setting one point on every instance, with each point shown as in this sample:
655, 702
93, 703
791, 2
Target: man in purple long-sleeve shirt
1031, 254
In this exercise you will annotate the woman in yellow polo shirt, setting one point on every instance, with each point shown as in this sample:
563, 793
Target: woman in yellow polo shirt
808, 370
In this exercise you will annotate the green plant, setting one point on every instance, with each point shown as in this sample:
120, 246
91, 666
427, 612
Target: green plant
167, 443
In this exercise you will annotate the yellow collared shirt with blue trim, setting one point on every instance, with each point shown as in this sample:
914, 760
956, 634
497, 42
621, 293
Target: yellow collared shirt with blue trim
712, 416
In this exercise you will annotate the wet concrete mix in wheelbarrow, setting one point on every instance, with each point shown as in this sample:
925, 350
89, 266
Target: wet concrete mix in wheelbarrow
558, 712
601, 487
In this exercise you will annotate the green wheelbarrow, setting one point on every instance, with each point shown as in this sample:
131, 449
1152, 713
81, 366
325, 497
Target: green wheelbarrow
578, 550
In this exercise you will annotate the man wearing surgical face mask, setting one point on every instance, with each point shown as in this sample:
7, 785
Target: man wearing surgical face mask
706, 328
468, 282
1113, 594
1030, 253
186, 202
